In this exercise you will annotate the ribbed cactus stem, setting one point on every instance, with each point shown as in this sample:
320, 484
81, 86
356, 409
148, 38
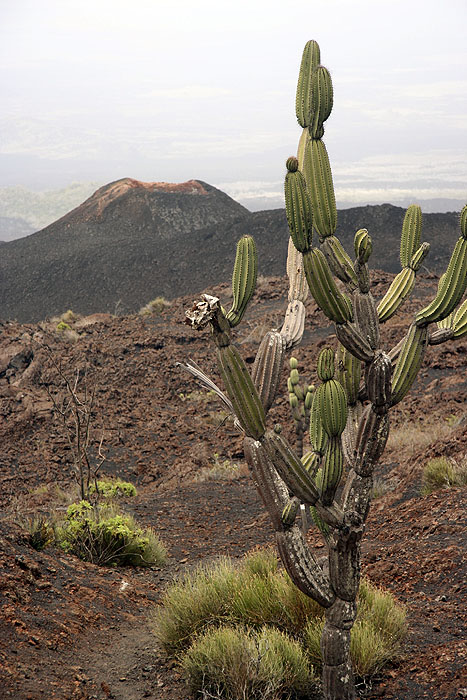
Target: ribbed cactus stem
451, 287
298, 287
411, 232
243, 278
323, 287
321, 100
298, 208
339, 262
310, 61
318, 176
363, 246
349, 372
463, 221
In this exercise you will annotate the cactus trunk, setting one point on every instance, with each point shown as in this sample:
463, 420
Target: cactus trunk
338, 679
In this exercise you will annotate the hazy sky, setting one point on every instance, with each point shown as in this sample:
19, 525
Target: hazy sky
158, 90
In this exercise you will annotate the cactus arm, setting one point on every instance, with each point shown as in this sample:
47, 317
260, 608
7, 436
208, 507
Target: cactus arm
339, 262
294, 324
450, 289
321, 100
399, 289
318, 436
402, 285
310, 61
352, 339
318, 177
331, 403
323, 288
267, 367
290, 468
409, 362
271, 488
298, 287
454, 326
298, 207
411, 233
302, 566
242, 392
243, 279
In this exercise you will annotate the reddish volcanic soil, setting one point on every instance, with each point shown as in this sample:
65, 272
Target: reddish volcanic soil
72, 630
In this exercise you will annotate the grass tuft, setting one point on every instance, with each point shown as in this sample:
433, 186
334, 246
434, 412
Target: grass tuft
234, 664
40, 531
412, 436
256, 594
440, 473
154, 307
219, 469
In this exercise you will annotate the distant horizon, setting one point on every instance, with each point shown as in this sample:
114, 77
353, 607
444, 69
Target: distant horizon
99, 91
34, 209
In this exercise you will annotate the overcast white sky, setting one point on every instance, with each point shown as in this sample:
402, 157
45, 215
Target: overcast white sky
169, 90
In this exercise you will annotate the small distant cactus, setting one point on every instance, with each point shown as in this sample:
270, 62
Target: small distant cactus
348, 412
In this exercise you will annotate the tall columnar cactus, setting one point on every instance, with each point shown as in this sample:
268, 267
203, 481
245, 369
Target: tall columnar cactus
360, 382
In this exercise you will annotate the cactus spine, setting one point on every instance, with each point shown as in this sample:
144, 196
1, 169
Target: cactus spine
349, 411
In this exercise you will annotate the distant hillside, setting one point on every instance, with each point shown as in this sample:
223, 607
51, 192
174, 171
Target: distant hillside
132, 241
14, 227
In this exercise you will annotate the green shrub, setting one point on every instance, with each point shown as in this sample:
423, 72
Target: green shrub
62, 326
257, 594
441, 473
106, 537
114, 488
236, 664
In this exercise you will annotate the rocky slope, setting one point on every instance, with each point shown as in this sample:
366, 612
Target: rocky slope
70, 630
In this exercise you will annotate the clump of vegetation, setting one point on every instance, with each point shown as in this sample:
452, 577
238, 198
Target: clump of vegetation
380, 487
376, 636
441, 473
67, 317
40, 532
219, 469
155, 306
113, 488
63, 326
104, 536
215, 609
197, 395
233, 663
413, 435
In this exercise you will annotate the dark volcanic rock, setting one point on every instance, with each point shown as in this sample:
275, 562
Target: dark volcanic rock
132, 241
